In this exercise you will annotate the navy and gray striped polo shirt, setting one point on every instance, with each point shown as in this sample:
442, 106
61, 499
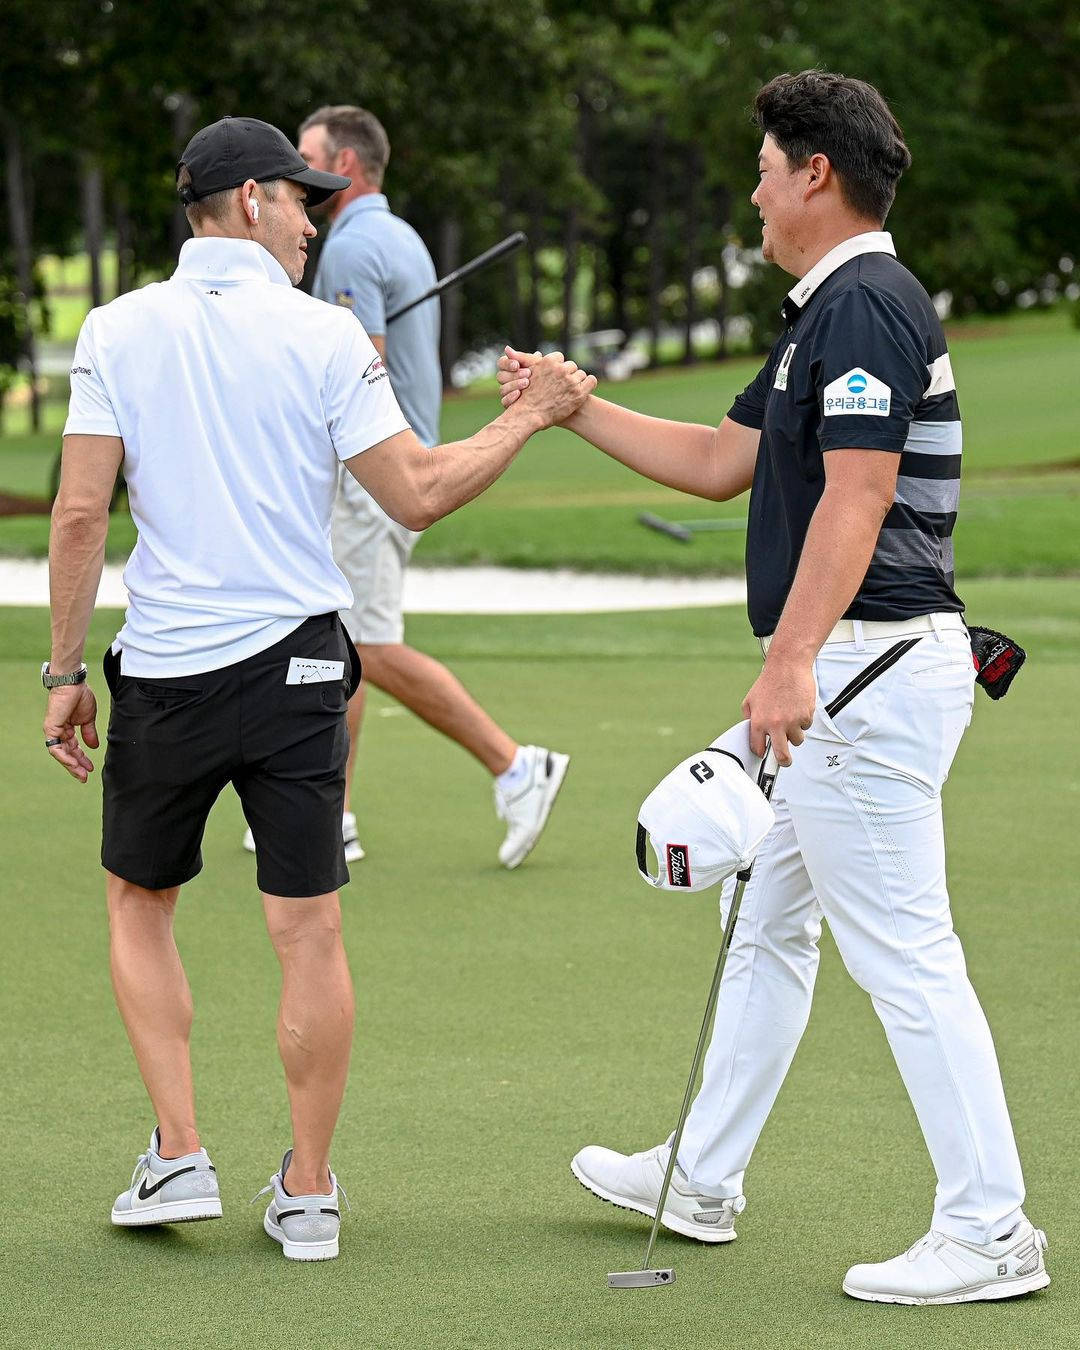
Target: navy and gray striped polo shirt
863, 364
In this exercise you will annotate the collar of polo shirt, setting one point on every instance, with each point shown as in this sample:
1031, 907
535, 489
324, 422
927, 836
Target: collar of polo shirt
229, 260
873, 241
370, 201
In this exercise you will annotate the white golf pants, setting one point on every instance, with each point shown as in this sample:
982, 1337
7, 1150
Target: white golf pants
858, 841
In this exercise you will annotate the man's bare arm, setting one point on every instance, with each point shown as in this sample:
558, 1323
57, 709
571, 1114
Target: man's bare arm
859, 489
80, 522
378, 341
716, 463
418, 486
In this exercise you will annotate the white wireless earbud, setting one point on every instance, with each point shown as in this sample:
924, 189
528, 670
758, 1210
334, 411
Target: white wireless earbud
254, 210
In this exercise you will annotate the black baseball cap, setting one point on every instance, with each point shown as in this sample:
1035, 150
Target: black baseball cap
228, 153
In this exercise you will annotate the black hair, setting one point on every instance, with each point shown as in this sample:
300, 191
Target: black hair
816, 112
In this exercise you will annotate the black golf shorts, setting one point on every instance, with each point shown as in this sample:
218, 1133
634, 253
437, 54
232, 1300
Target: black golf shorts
174, 743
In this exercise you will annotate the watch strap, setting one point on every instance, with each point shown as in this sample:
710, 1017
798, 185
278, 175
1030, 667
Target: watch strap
51, 681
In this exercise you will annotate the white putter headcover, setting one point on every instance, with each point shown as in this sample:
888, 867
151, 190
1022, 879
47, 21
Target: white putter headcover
707, 818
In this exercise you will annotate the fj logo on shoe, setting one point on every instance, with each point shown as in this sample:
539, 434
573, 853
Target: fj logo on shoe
701, 771
782, 369
303, 670
678, 865
1003, 1268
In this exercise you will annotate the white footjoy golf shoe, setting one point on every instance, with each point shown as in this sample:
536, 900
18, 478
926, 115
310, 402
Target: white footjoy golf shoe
168, 1190
939, 1269
526, 807
305, 1225
634, 1182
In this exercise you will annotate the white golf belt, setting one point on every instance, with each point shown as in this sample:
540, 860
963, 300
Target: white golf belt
869, 630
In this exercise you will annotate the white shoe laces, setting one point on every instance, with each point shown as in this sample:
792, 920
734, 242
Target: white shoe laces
931, 1239
144, 1162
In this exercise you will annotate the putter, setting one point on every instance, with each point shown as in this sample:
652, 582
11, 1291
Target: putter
650, 1277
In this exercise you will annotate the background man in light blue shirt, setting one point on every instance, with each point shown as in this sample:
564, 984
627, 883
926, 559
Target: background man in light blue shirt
373, 263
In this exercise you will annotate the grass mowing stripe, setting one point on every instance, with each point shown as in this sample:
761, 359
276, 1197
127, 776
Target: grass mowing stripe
507, 1019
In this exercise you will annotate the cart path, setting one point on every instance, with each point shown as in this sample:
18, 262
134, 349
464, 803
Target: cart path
459, 590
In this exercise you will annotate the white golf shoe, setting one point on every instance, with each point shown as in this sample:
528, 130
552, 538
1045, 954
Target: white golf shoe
353, 850
634, 1182
526, 807
939, 1269
168, 1190
306, 1226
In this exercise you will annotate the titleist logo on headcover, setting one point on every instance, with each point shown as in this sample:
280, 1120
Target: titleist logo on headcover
678, 865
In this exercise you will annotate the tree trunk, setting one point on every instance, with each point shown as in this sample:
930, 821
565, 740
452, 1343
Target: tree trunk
596, 260
694, 169
19, 229
616, 274
93, 216
514, 308
655, 237
723, 212
125, 278
570, 261
535, 327
449, 259
182, 107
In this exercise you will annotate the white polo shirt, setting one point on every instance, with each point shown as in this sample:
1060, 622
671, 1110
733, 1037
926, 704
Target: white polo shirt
236, 397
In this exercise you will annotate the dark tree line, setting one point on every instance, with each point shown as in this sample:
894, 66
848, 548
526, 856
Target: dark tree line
620, 141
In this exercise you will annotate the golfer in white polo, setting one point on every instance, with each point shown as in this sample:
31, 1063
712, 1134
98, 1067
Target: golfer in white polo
231, 399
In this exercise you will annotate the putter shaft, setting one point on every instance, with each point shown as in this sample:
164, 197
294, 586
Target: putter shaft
766, 782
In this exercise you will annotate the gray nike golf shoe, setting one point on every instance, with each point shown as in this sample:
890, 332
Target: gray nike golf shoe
306, 1226
168, 1190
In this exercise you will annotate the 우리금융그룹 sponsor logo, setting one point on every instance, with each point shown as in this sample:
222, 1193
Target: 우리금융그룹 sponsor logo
857, 392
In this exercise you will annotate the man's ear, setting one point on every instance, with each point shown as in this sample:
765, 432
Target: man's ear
819, 173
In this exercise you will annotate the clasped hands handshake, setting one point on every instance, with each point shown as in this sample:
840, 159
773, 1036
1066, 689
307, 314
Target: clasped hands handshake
553, 387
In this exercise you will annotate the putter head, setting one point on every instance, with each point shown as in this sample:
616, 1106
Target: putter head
640, 1279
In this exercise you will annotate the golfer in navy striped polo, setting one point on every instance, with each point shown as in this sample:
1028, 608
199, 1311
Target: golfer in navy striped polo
849, 441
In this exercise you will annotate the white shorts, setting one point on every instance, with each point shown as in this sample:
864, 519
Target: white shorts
373, 552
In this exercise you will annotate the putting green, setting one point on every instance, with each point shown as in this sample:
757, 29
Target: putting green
508, 1019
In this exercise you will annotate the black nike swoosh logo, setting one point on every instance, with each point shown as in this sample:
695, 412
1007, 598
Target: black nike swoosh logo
145, 1192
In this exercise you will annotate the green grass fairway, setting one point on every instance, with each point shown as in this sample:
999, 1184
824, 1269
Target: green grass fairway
507, 1019
564, 504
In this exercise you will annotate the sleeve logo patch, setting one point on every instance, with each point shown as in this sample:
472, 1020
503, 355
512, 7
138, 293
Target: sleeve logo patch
345, 298
857, 392
782, 369
375, 371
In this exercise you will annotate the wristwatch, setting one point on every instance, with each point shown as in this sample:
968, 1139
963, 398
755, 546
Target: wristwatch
55, 681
